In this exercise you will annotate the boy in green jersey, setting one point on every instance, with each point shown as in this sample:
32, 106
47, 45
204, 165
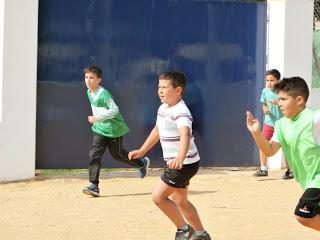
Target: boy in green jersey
298, 133
108, 128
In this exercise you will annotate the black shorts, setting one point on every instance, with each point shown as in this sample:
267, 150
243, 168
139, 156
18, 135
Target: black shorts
308, 205
180, 178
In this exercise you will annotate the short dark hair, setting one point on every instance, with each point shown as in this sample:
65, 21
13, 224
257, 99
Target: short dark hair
94, 69
177, 78
293, 86
274, 72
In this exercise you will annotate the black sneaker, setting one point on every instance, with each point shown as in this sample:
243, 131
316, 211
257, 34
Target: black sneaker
204, 236
92, 190
287, 175
144, 170
185, 234
261, 173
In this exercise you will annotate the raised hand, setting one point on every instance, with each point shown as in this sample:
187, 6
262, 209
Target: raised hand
253, 124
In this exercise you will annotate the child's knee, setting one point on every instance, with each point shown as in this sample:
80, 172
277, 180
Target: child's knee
156, 198
179, 200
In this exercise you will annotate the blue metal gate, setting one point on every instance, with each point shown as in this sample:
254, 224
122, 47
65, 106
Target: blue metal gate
220, 45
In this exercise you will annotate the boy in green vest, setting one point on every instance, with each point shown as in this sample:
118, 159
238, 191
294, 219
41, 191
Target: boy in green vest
108, 128
298, 133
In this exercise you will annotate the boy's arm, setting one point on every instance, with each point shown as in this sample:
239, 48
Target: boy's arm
185, 136
101, 114
268, 148
274, 101
109, 112
151, 140
265, 109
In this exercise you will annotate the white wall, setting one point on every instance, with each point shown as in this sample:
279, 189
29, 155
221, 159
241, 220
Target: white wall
289, 48
298, 39
1, 52
290, 41
290, 37
19, 69
275, 35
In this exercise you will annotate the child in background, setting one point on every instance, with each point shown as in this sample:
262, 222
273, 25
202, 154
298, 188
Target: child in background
272, 113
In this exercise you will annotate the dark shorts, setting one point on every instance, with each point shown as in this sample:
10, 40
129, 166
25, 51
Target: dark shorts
267, 131
180, 178
308, 205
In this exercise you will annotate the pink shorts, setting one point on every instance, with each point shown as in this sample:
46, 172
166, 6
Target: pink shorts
267, 131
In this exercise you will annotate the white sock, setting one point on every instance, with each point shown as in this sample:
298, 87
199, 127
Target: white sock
264, 168
184, 228
200, 233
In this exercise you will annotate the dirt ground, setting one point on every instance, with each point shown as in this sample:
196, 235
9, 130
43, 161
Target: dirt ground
232, 204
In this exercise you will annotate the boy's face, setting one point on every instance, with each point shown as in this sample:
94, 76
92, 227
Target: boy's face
92, 81
290, 106
271, 81
167, 93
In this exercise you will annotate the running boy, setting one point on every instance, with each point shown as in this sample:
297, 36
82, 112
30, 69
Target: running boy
108, 129
174, 130
298, 133
272, 113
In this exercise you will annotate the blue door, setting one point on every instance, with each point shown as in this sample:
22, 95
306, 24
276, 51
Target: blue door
220, 45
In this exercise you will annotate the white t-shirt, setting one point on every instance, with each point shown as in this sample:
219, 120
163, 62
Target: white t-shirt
316, 130
169, 120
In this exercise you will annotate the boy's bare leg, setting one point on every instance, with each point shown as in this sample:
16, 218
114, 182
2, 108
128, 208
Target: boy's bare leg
263, 170
313, 223
263, 159
160, 196
180, 197
287, 164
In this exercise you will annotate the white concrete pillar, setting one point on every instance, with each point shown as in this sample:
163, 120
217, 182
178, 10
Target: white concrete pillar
275, 34
290, 31
1, 52
18, 79
289, 45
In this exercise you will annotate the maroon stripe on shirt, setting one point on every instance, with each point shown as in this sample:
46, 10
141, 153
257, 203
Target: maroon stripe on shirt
170, 139
183, 115
193, 155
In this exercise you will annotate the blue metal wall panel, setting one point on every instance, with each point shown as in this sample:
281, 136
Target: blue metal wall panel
218, 44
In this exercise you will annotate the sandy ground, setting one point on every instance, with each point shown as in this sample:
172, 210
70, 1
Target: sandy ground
232, 204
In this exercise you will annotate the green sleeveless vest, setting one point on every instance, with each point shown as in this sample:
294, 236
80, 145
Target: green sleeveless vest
303, 154
114, 127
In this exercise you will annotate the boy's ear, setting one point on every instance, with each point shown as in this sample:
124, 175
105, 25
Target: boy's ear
300, 100
179, 90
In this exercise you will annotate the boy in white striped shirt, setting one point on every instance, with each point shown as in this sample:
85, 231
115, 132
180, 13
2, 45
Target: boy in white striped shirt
174, 130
